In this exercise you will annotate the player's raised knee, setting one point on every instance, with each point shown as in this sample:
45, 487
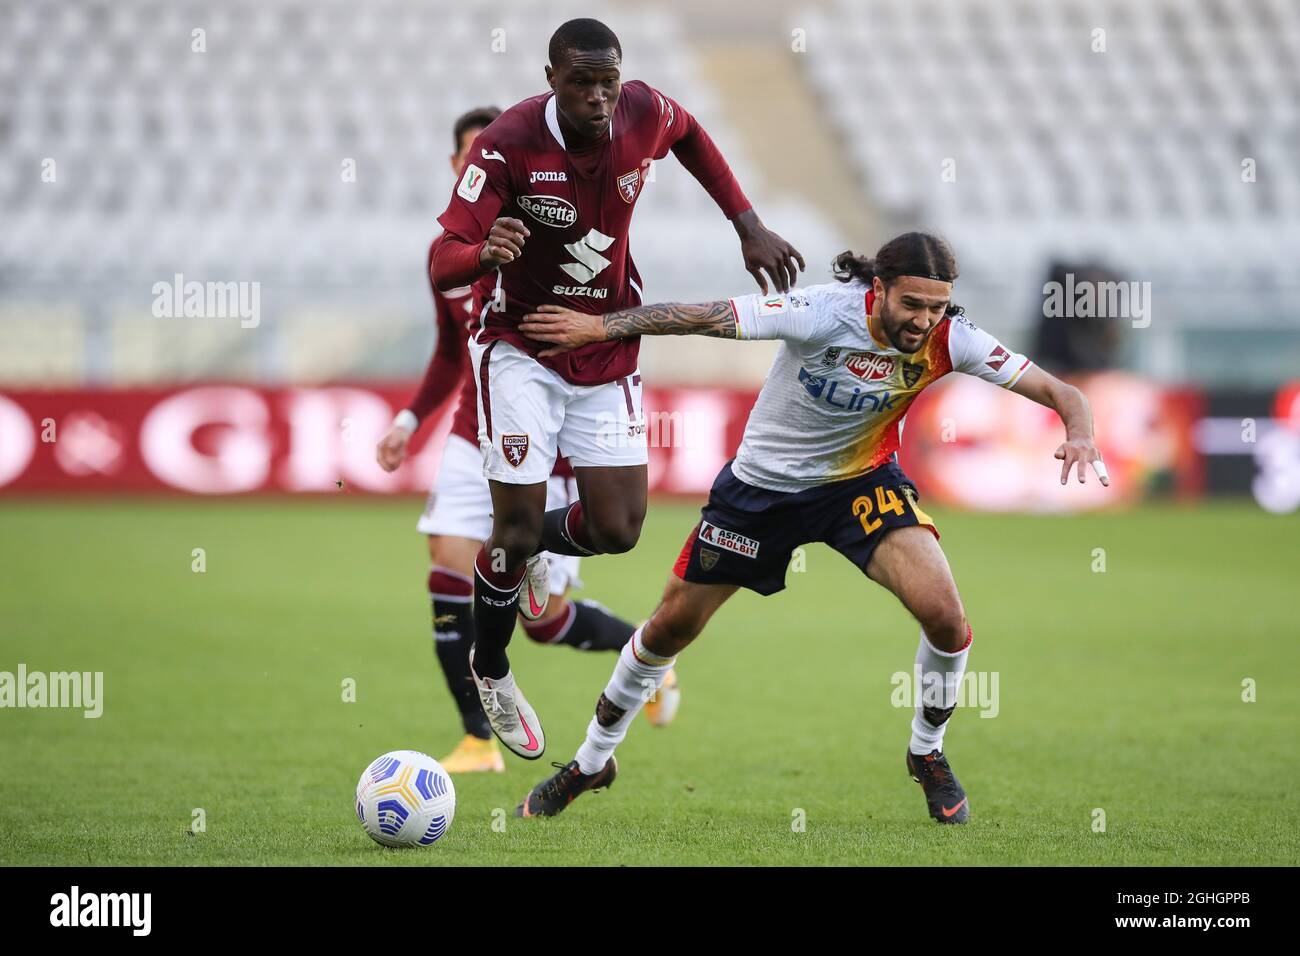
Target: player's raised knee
947, 628
616, 535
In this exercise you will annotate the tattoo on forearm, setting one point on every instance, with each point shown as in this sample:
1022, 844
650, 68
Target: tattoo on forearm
673, 318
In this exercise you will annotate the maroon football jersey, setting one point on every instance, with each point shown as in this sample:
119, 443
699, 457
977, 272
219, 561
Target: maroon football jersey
457, 316
578, 209
465, 423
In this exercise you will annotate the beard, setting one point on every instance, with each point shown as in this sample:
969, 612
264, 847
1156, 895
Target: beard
895, 333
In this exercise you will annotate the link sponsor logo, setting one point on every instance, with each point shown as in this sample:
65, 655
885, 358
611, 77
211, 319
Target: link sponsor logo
857, 400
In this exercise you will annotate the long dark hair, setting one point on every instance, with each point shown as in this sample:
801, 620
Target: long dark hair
911, 254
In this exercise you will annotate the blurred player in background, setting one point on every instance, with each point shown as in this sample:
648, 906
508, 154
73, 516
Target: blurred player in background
541, 214
818, 462
457, 520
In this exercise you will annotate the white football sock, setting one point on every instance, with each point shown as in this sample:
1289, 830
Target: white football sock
637, 677
940, 676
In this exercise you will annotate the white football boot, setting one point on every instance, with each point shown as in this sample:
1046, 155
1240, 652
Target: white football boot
536, 590
512, 719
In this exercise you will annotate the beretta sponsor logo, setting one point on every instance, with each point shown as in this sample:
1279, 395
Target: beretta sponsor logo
549, 210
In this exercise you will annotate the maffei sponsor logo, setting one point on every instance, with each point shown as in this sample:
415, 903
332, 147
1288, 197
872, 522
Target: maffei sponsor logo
76, 908
72, 690
869, 366
728, 540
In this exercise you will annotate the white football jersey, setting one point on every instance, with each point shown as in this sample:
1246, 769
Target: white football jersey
833, 403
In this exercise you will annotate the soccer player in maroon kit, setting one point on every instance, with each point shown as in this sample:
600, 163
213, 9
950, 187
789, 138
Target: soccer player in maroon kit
541, 215
458, 519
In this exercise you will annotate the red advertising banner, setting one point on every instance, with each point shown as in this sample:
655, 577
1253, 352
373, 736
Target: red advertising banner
965, 443
216, 439
972, 446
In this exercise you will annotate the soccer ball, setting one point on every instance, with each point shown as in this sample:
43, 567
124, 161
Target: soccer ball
405, 798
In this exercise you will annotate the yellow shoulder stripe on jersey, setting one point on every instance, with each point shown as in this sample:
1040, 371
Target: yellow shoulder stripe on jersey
1019, 372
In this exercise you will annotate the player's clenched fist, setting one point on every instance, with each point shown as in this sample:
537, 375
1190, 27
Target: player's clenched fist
505, 242
391, 450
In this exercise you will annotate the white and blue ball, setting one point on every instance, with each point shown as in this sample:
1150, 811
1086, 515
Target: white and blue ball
405, 798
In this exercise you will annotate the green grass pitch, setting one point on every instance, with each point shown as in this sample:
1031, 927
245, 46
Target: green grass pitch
1120, 691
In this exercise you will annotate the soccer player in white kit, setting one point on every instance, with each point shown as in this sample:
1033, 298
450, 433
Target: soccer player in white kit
818, 463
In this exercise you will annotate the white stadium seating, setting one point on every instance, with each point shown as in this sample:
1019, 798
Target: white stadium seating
227, 164
1132, 155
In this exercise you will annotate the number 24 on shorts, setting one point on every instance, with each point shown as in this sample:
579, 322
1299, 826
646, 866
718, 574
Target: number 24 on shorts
886, 501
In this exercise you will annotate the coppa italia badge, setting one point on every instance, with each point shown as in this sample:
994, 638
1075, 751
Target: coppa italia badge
515, 448
869, 366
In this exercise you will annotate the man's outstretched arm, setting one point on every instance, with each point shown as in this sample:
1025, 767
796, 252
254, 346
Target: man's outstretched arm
1072, 406
566, 329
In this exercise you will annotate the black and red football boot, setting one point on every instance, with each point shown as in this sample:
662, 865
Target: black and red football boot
555, 793
943, 794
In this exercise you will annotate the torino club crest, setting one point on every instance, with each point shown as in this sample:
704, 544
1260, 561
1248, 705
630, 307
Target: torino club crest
628, 184
515, 448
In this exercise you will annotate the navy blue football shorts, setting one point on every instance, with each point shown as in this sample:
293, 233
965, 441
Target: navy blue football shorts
747, 535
